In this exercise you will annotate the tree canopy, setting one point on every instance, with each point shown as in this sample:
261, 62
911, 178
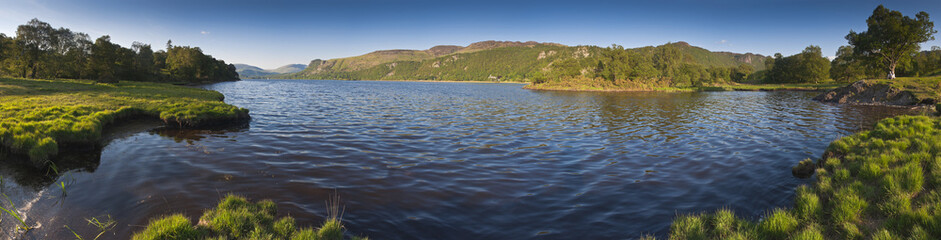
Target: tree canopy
891, 37
805, 67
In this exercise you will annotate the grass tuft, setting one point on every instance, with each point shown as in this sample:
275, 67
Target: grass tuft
778, 224
811, 232
237, 218
688, 227
171, 227
807, 205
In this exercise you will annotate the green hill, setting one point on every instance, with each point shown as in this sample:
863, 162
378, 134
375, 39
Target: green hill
516, 61
324, 68
290, 68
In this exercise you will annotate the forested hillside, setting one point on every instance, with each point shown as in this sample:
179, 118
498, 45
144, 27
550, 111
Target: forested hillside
541, 63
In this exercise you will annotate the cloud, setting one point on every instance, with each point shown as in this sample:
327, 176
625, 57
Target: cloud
204, 32
723, 41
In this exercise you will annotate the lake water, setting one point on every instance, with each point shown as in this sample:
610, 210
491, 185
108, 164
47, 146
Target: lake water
449, 160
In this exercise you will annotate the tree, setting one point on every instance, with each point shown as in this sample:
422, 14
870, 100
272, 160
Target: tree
103, 58
741, 73
813, 67
143, 61
184, 63
891, 37
845, 67
5, 44
804, 67
33, 40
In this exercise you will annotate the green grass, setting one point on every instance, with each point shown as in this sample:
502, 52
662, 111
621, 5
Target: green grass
921, 87
237, 218
37, 117
878, 184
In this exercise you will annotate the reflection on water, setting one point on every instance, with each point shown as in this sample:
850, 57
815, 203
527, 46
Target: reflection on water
456, 160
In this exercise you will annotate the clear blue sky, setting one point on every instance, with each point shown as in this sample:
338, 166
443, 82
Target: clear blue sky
274, 33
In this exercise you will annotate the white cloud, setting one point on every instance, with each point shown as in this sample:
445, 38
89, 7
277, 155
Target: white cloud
204, 32
723, 41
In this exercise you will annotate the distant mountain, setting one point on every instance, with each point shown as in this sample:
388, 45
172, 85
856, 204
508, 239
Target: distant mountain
500, 60
249, 71
290, 68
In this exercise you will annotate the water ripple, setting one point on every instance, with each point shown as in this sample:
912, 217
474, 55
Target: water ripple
465, 161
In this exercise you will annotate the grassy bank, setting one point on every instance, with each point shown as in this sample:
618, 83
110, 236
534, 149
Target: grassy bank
921, 87
237, 218
878, 184
37, 117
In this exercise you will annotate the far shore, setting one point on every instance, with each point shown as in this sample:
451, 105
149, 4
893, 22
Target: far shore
735, 87
387, 80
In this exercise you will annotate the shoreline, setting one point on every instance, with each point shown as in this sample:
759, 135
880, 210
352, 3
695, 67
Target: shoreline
695, 89
386, 80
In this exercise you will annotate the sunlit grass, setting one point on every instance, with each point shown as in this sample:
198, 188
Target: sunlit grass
39, 116
921, 87
878, 184
237, 218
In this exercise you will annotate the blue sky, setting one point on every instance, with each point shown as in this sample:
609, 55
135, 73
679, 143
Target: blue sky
274, 33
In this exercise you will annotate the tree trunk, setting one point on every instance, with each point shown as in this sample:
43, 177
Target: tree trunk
33, 67
892, 70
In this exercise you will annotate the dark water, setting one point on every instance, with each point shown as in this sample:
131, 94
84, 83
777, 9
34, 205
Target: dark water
451, 160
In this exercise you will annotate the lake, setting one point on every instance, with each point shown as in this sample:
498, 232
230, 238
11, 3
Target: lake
417, 160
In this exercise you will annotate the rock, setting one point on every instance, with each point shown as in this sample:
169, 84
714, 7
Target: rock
581, 52
868, 92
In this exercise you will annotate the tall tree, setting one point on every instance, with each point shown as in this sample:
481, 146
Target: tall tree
8, 54
34, 39
103, 60
891, 37
807, 66
845, 67
814, 67
5, 42
143, 61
